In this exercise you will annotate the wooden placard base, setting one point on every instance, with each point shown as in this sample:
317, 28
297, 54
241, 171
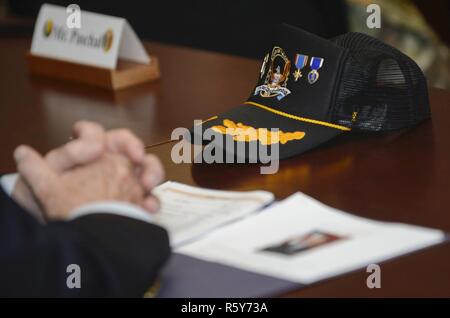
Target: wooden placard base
126, 74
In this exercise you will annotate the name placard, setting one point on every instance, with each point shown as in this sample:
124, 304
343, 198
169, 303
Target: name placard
99, 41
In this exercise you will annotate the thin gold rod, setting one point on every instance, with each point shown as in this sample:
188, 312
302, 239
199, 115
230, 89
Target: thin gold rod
161, 143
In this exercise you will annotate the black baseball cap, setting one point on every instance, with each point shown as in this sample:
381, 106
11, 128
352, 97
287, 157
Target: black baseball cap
312, 90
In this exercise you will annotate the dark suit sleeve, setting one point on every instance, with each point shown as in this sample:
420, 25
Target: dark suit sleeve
117, 256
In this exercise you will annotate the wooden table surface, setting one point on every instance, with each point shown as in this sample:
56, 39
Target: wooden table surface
401, 176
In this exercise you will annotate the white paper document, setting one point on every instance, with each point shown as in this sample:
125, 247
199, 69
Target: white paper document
303, 240
188, 212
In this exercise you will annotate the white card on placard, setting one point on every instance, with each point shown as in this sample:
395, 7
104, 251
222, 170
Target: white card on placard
100, 41
131, 47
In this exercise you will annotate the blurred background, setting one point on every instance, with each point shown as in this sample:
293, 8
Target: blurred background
420, 29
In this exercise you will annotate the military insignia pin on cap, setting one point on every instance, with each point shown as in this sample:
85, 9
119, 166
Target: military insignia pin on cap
353, 83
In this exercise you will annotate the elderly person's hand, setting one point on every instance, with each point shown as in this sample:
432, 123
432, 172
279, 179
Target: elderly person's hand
77, 162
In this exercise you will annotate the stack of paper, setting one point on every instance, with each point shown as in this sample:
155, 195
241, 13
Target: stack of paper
189, 212
298, 239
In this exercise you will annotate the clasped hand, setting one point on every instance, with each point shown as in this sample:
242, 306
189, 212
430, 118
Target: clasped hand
97, 165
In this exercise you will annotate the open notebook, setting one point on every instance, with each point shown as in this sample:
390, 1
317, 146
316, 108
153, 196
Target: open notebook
239, 237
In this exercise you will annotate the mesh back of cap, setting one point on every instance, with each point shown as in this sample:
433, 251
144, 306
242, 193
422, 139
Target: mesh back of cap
380, 88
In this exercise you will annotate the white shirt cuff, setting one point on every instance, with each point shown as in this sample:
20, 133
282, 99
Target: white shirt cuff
111, 207
8, 182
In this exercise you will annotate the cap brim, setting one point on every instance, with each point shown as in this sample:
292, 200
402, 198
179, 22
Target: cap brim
314, 134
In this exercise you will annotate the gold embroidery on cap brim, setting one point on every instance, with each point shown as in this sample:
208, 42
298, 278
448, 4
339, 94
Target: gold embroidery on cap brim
245, 133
